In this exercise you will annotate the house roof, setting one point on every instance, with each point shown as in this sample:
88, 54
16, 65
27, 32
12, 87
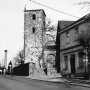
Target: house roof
64, 24
73, 23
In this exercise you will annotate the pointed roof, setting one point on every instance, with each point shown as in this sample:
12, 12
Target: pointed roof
10, 63
64, 24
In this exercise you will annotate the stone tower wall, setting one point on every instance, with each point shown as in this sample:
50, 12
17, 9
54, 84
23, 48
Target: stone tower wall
33, 41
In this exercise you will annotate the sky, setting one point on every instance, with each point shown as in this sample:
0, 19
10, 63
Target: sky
12, 20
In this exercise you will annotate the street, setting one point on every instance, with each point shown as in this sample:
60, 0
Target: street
21, 83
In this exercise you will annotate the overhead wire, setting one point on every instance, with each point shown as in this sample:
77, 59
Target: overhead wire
54, 9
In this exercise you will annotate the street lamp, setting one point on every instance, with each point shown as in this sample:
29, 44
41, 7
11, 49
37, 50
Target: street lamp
10, 68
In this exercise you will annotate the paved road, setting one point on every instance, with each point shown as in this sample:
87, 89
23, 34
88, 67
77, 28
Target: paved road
21, 83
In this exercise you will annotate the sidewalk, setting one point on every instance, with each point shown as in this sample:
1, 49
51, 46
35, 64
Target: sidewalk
75, 82
79, 81
49, 78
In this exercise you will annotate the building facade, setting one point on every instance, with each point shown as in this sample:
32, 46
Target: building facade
72, 55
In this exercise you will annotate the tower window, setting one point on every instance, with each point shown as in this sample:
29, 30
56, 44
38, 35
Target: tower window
34, 16
33, 29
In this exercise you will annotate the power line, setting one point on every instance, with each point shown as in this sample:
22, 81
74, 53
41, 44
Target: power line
54, 9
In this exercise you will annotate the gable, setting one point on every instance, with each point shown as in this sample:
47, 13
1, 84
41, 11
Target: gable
64, 24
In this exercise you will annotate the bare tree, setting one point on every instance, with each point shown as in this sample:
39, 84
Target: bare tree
19, 58
84, 3
49, 28
50, 31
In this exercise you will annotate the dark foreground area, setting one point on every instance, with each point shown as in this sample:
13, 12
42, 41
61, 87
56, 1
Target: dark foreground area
22, 83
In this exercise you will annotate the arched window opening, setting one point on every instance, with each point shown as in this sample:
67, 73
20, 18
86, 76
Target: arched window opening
33, 29
34, 16
51, 59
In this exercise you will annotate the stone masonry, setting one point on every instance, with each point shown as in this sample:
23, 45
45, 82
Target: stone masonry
34, 28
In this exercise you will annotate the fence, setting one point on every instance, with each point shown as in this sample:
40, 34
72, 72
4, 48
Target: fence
22, 70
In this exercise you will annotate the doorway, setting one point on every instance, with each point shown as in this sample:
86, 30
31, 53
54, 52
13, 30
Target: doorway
72, 63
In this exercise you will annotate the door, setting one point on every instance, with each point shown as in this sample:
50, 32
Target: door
72, 63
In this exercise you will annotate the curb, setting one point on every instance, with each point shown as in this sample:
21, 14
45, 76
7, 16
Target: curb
63, 82
78, 84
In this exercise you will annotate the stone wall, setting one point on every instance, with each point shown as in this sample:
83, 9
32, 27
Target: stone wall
33, 40
34, 30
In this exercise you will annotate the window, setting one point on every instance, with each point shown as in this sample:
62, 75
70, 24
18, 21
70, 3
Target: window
81, 58
66, 62
76, 33
67, 37
76, 30
67, 34
33, 30
34, 16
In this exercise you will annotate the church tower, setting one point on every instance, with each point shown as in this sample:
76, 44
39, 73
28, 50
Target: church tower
34, 29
